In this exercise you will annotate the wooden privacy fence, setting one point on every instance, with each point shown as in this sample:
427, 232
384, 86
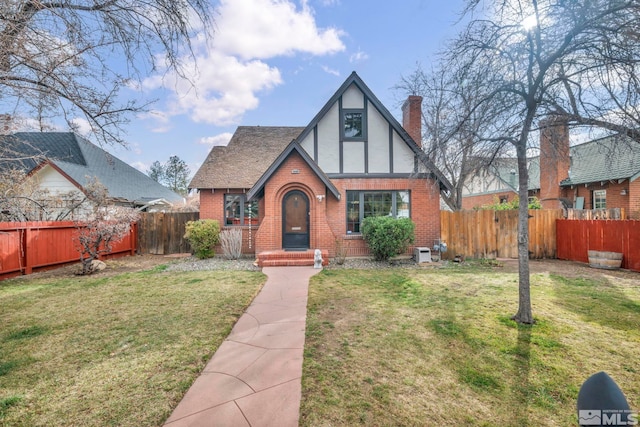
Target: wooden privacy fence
163, 233
29, 246
611, 213
575, 238
494, 234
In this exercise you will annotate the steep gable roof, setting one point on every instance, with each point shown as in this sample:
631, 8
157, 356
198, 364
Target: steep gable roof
293, 146
354, 79
506, 169
78, 158
25, 150
244, 160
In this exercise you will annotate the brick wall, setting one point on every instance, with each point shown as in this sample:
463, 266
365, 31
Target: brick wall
284, 180
471, 202
633, 192
554, 161
425, 208
615, 198
327, 216
412, 117
212, 207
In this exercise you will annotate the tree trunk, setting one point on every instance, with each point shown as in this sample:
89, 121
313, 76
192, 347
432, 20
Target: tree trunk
524, 314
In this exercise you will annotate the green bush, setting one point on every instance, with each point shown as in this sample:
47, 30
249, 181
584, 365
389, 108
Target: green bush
203, 235
386, 236
534, 203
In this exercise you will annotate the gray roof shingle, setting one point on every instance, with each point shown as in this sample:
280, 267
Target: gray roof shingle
610, 158
79, 158
246, 158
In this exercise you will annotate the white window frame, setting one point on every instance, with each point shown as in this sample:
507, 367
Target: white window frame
599, 199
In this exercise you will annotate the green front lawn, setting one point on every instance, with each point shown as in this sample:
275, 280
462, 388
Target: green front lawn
119, 350
437, 347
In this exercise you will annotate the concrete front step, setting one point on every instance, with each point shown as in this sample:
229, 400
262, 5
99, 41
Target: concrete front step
290, 258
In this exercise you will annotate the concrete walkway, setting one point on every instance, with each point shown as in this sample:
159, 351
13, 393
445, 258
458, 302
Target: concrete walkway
254, 379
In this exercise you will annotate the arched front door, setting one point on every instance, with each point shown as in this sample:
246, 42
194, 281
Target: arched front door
295, 221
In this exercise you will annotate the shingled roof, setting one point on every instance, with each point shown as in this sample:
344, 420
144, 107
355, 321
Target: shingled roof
246, 158
610, 158
79, 158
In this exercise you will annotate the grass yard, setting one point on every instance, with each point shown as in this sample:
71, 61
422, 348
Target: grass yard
119, 350
420, 347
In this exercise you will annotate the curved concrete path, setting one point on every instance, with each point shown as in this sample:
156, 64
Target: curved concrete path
254, 379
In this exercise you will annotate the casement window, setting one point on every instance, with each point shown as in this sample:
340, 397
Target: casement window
600, 199
237, 211
363, 204
353, 124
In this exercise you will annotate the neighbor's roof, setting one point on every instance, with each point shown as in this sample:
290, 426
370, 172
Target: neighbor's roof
78, 158
610, 158
246, 158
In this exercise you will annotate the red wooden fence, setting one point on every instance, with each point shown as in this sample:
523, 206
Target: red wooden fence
575, 238
29, 246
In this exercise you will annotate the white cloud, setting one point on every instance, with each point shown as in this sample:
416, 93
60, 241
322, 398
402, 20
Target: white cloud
231, 70
330, 71
140, 166
219, 90
81, 126
217, 140
357, 57
161, 118
268, 28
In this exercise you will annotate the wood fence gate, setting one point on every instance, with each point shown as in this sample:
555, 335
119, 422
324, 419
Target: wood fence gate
494, 234
163, 233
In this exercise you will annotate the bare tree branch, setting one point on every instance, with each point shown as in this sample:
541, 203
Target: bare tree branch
57, 57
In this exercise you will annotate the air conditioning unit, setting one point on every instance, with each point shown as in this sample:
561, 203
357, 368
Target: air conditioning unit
422, 255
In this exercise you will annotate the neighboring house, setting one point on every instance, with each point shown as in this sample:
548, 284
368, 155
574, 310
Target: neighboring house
598, 174
62, 163
298, 188
498, 182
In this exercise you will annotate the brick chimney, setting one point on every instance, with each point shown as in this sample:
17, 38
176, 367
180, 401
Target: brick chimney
555, 160
412, 118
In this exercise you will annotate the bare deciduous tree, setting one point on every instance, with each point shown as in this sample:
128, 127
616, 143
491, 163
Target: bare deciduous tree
451, 122
104, 225
70, 59
576, 60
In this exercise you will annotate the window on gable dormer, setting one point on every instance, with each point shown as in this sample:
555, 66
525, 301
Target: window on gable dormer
354, 125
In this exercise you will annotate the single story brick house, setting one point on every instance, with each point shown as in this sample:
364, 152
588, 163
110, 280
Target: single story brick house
296, 189
598, 174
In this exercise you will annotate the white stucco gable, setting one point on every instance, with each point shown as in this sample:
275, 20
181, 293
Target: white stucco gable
355, 135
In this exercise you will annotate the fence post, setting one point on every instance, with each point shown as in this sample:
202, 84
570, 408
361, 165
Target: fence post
27, 250
133, 234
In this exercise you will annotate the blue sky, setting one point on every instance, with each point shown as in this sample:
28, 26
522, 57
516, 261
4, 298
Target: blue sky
276, 62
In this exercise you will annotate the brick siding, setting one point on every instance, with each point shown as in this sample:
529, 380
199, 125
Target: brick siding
327, 216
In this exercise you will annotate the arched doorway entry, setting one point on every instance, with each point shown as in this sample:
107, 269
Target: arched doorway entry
295, 221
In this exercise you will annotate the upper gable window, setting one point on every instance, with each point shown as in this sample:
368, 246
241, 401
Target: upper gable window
354, 124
